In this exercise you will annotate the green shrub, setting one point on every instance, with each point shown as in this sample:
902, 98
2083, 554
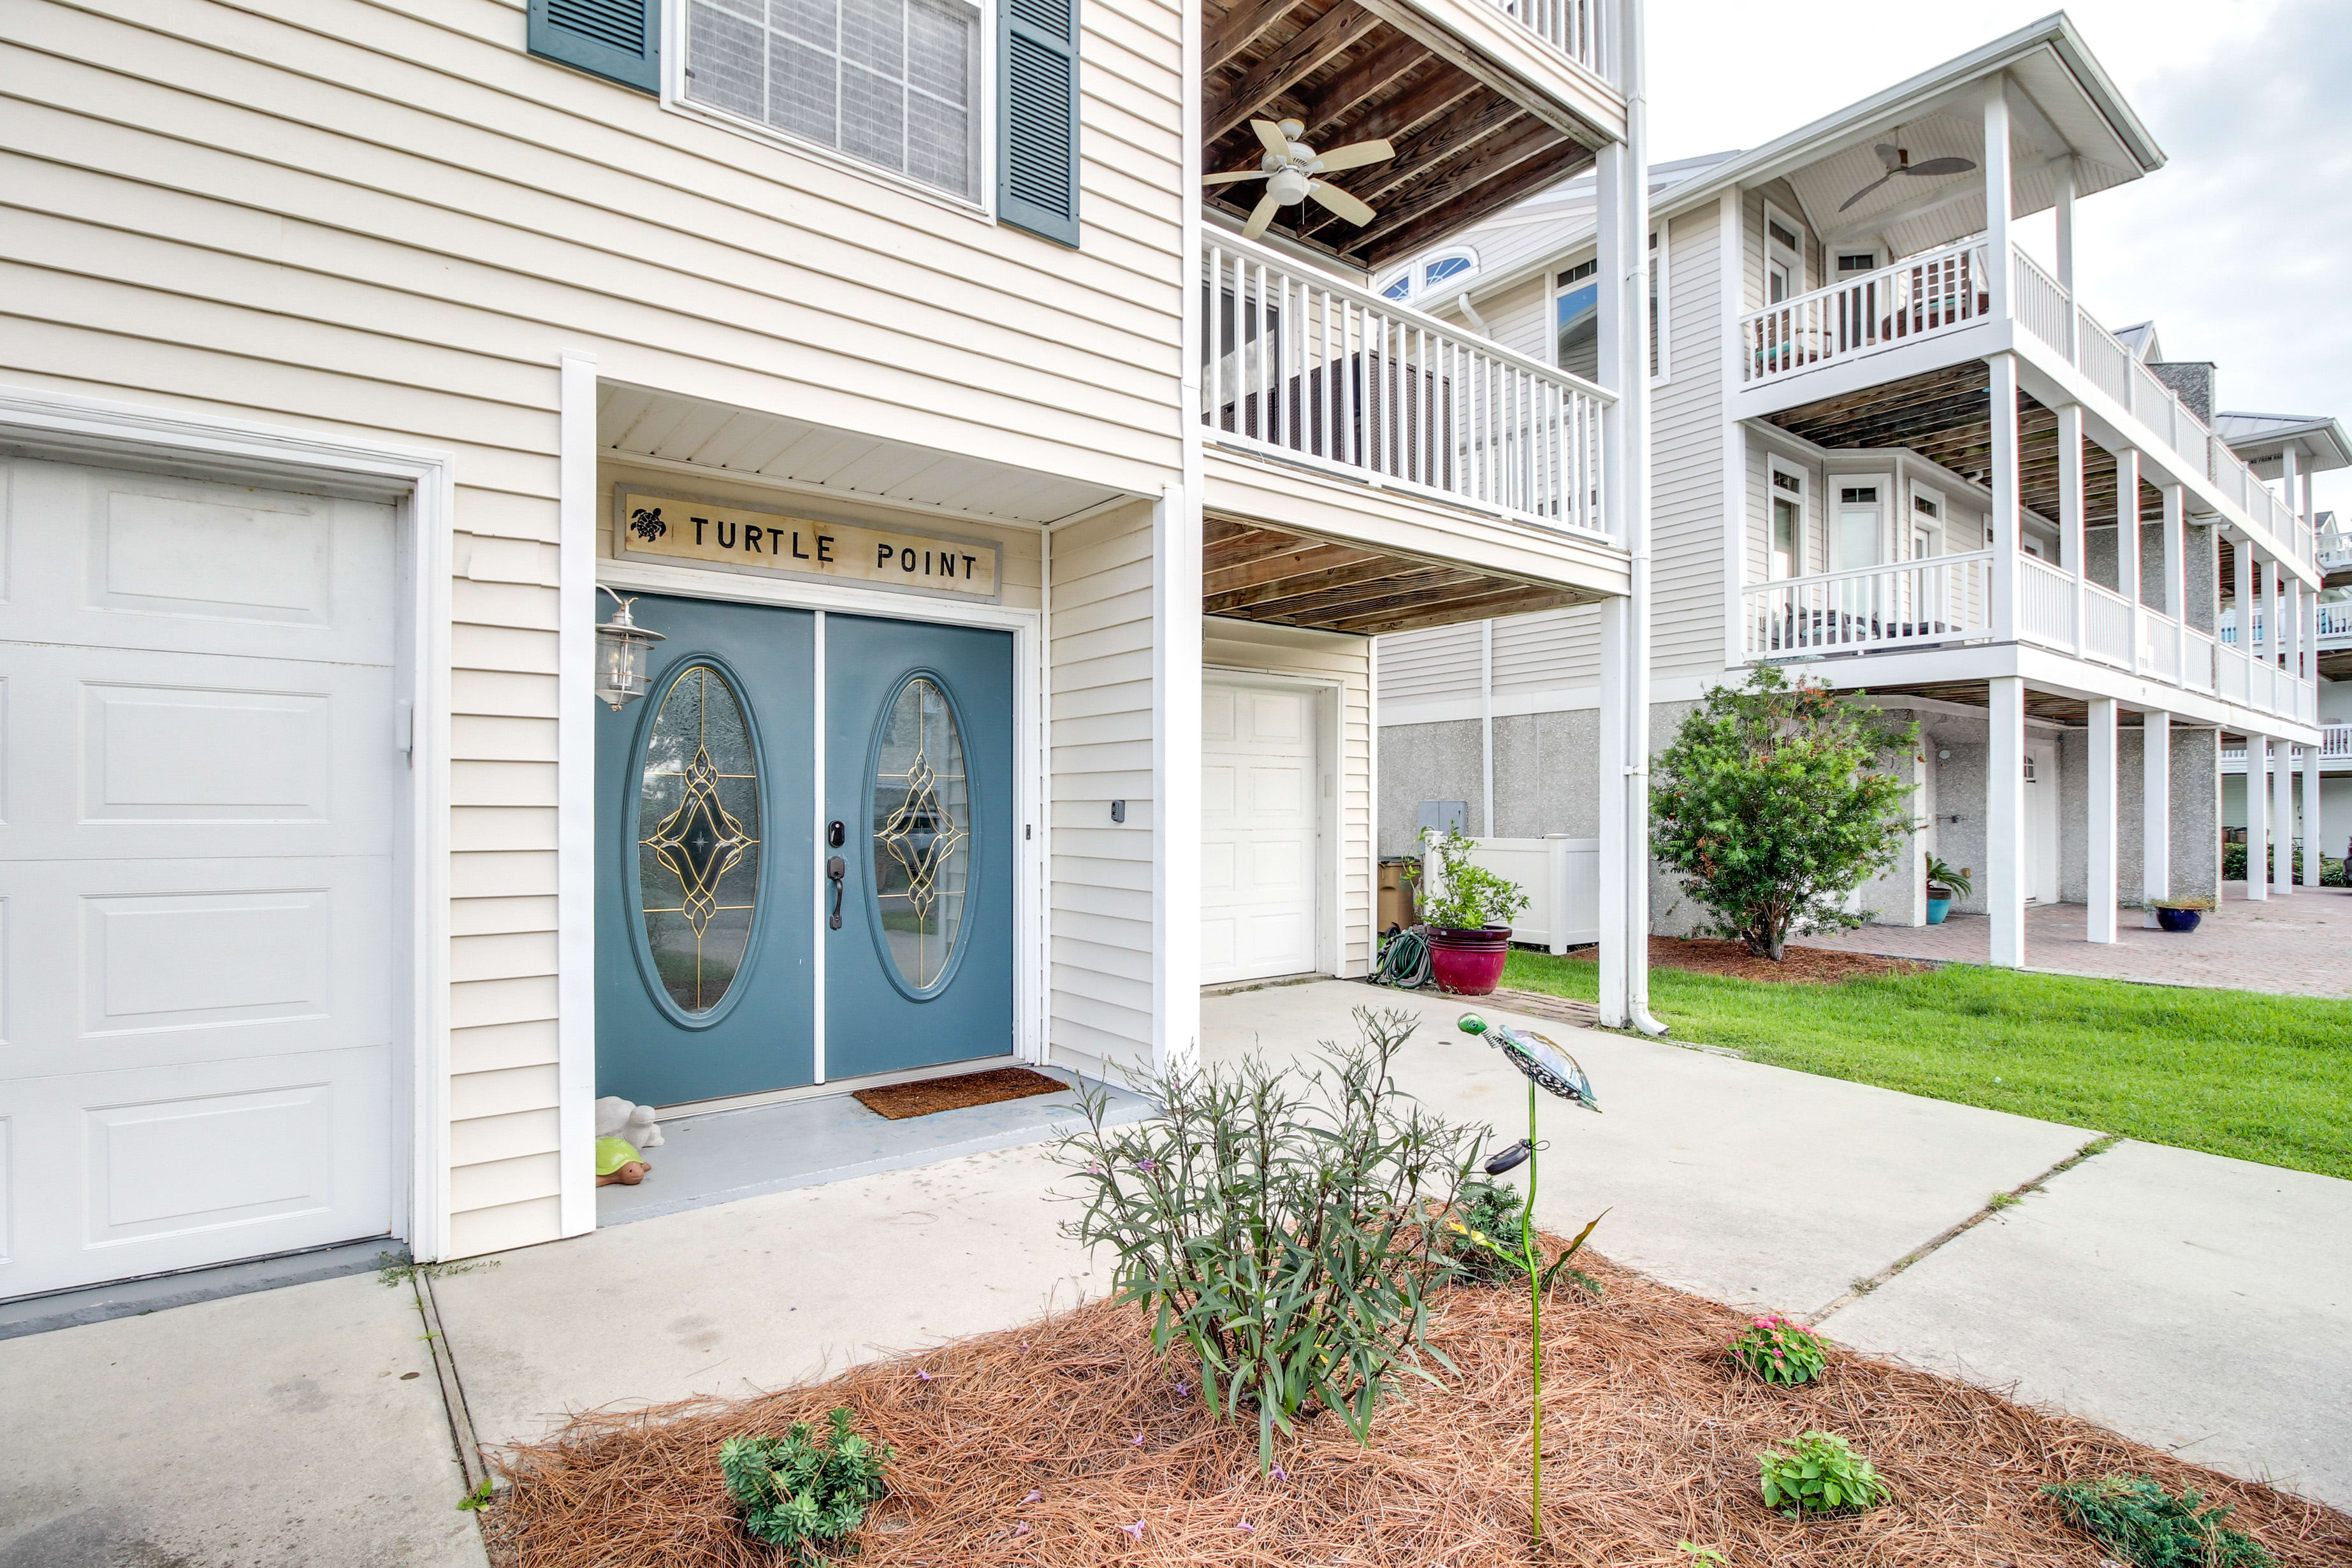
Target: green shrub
1778, 1350
1822, 1474
2142, 1523
1273, 1221
797, 1494
1776, 801
1468, 897
2332, 872
1480, 1240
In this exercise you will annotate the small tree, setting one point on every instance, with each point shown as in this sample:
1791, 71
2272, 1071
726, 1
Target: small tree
1773, 805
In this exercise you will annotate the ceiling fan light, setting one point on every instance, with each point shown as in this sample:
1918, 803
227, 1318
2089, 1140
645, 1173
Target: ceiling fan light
1288, 186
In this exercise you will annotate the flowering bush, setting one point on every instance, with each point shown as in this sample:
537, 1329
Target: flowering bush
1272, 1220
1778, 1350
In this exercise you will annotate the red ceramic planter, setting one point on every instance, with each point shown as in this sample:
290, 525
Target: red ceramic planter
1468, 961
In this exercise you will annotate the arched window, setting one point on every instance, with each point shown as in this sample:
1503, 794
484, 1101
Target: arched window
1429, 275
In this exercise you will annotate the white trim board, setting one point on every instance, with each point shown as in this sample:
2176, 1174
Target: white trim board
422, 484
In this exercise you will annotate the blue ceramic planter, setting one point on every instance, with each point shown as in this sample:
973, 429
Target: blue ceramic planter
1936, 909
2178, 919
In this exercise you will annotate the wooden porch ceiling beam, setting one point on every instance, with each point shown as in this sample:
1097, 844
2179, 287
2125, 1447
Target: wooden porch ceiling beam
1315, 46
1372, 567
1517, 601
1377, 70
1397, 588
1418, 153
1546, 166
1439, 186
1248, 21
1240, 551
1309, 558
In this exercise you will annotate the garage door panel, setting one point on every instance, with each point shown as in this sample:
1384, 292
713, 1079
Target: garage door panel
112, 964
142, 1171
1276, 793
199, 782
1220, 793
133, 753
1258, 834
1278, 717
111, 558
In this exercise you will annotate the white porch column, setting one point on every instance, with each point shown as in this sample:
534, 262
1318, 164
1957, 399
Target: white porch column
2314, 826
2282, 817
2105, 802
2005, 821
2001, 269
2072, 543
2006, 506
2258, 807
1176, 782
2065, 173
2155, 807
2176, 547
2242, 591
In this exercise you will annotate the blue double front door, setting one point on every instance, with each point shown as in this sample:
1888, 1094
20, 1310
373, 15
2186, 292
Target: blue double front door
806, 853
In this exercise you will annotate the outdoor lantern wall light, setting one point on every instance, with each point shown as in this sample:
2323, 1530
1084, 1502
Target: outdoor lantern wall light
621, 647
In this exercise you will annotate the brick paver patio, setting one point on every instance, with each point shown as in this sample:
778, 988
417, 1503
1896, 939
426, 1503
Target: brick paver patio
2301, 944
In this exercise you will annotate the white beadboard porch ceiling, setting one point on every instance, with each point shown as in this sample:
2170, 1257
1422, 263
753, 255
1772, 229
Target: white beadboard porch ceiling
641, 423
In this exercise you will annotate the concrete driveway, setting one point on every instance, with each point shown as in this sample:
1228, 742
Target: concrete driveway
2198, 1304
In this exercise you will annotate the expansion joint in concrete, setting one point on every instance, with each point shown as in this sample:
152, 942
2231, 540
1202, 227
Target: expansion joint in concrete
453, 1391
1993, 1205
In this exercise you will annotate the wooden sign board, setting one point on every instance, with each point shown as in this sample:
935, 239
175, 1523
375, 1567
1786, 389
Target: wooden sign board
654, 526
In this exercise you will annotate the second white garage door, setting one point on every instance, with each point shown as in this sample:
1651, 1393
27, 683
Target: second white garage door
1258, 831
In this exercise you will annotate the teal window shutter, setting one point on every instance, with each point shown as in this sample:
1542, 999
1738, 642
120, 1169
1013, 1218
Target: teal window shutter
1038, 117
616, 38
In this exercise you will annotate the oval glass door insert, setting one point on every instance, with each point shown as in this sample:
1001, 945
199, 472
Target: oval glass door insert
698, 858
922, 832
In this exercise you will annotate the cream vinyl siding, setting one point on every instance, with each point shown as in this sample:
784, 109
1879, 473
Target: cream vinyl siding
1437, 664
388, 220
1249, 646
1520, 319
1098, 749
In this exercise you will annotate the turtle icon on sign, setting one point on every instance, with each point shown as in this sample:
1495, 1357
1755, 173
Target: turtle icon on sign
646, 523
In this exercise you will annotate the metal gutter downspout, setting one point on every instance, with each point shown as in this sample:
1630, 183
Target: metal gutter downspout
1635, 390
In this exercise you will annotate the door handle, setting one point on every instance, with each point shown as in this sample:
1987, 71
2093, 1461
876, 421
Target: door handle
837, 868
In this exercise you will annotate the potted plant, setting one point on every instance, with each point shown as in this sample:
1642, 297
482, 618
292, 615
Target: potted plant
1944, 884
2182, 914
1468, 914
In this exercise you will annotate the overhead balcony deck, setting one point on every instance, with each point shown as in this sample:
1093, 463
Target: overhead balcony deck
1949, 308
1340, 416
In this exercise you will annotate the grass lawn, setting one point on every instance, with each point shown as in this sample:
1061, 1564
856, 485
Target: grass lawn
2241, 1073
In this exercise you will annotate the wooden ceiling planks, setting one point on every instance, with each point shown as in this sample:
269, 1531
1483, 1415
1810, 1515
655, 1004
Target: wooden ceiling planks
1267, 574
1464, 148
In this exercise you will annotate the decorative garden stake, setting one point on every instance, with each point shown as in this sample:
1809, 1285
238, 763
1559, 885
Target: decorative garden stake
1545, 1065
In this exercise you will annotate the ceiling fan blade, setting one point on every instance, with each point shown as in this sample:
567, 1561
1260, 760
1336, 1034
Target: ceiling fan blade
1866, 190
1261, 217
1342, 202
1269, 134
1940, 166
1233, 178
1355, 155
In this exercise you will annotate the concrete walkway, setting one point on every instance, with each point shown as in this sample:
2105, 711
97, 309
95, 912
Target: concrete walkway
2196, 1304
2300, 944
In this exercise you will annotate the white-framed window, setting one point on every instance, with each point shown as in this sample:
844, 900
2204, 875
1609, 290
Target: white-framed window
1784, 551
892, 86
1784, 255
1661, 318
1926, 524
1576, 320
1847, 261
1445, 272
1858, 524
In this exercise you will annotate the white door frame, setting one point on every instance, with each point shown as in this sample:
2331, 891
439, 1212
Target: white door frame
421, 485
1331, 772
576, 833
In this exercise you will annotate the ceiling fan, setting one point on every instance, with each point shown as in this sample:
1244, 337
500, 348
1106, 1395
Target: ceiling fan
1898, 161
1289, 168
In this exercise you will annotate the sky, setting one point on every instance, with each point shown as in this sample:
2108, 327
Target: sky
2240, 247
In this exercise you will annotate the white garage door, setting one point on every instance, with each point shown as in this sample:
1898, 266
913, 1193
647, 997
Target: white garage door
195, 873
1257, 832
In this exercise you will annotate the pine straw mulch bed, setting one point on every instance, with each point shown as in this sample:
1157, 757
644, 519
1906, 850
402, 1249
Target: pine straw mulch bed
1650, 1439
1801, 966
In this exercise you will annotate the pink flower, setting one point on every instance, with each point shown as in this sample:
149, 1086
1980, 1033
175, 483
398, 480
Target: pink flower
1035, 1495
1136, 1441
1245, 1524
1020, 1529
922, 1376
1280, 1474
1136, 1530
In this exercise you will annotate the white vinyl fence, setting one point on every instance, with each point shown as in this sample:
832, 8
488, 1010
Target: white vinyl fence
1560, 875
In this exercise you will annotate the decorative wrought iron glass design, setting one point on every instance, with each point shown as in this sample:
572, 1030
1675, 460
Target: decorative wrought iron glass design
699, 860
922, 832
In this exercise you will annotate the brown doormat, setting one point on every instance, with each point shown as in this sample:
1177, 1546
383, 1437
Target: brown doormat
899, 1101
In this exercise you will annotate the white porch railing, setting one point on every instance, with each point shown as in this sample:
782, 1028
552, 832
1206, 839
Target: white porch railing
1942, 598
2196, 661
2107, 634
1303, 368
2334, 746
2335, 620
1946, 290
1925, 296
2045, 604
1577, 28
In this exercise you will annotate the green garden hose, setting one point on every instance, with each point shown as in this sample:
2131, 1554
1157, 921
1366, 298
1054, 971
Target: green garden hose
1405, 960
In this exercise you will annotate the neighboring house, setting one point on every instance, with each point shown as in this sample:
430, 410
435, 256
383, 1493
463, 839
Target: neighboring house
1888, 449
1016, 533
2333, 638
